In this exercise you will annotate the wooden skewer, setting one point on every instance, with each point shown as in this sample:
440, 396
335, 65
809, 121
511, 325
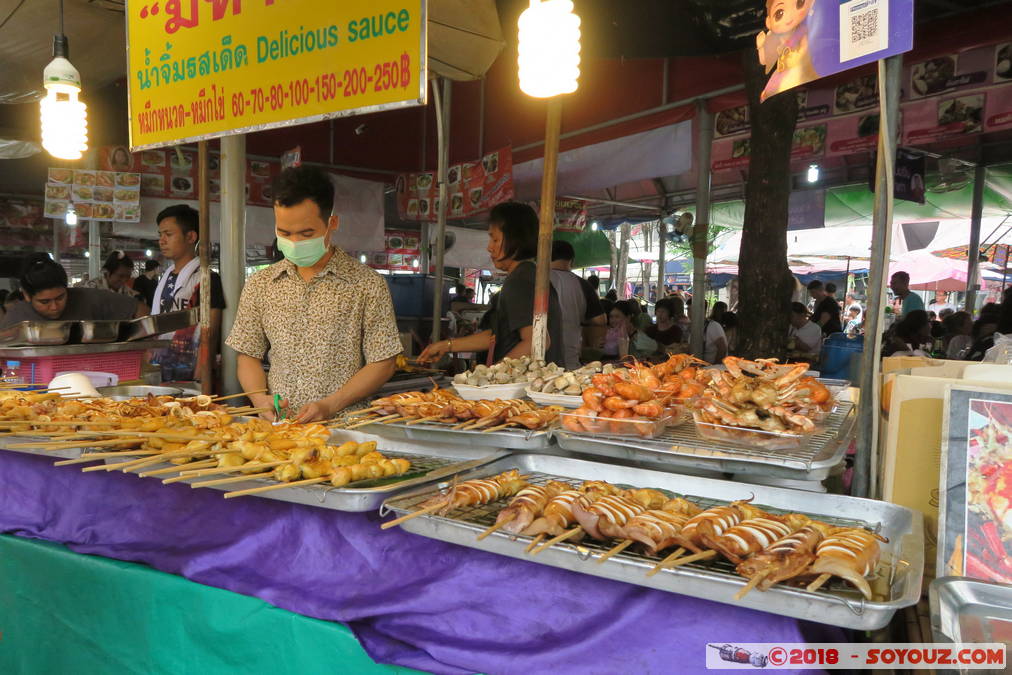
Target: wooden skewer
246, 411
752, 583
819, 581
241, 393
615, 550
664, 563
364, 411
199, 473
414, 514
501, 426
367, 422
555, 540
396, 419
137, 463
421, 419
90, 457
534, 542
78, 444
231, 479
176, 467
268, 488
494, 527
702, 555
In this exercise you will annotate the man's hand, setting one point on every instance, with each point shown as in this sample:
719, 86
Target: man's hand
267, 401
434, 352
315, 412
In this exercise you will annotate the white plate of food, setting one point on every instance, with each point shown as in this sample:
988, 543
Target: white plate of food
492, 391
554, 399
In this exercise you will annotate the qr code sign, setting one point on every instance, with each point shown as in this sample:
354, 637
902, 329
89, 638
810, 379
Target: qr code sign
864, 28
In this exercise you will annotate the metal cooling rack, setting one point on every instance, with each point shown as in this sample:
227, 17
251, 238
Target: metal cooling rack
896, 578
682, 446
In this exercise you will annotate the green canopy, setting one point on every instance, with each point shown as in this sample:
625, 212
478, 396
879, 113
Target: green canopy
853, 204
592, 247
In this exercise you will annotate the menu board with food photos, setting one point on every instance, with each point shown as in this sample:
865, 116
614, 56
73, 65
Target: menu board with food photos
172, 173
472, 187
403, 248
95, 195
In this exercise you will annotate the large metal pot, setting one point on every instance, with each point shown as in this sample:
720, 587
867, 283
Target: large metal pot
121, 393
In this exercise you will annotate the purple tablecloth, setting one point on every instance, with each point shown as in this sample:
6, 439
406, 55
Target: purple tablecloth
411, 601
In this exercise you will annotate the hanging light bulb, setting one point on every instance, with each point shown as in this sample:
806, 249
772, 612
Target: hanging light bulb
549, 48
813, 173
64, 116
147, 253
87, 254
71, 217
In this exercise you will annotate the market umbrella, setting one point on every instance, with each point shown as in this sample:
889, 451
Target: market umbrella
929, 272
592, 247
464, 38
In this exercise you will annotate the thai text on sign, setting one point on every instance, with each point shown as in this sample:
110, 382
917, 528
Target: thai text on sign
205, 68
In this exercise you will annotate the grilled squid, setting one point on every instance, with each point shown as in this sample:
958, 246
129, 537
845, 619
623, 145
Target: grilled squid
605, 517
786, 557
658, 530
850, 553
478, 491
527, 505
753, 535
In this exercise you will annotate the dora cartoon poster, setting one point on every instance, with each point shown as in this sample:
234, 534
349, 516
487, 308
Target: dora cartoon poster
784, 47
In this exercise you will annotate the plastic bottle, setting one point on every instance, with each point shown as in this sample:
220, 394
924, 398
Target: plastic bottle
12, 373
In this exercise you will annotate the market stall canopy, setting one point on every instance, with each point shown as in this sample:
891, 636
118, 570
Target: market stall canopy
465, 38
592, 248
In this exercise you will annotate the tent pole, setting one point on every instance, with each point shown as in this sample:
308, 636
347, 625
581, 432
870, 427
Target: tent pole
846, 283
866, 459
94, 249
701, 231
662, 238
973, 251
623, 261
233, 244
442, 105
546, 226
204, 366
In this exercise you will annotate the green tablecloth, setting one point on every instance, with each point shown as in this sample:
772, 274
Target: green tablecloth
63, 612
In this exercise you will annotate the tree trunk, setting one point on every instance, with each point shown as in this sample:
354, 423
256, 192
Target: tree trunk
765, 281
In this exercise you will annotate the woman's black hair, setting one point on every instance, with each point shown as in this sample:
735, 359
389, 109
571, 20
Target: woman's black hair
518, 223
627, 307
116, 260
40, 273
666, 304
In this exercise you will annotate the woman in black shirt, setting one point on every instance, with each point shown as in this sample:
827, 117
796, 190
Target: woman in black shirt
508, 325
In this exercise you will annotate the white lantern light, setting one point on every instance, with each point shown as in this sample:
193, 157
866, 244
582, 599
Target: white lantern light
813, 173
71, 217
549, 48
64, 116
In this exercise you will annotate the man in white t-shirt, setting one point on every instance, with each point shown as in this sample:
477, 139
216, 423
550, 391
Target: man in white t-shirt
806, 333
581, 308
941, 303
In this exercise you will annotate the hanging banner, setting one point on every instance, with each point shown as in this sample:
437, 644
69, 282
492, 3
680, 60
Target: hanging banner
95, 195
809, 39
472, 187
201, 69
570, 215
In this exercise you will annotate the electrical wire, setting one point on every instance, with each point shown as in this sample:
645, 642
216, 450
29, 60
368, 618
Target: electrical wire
61, 17
13, 11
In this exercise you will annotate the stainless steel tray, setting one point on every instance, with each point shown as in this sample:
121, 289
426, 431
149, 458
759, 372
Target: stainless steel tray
967, 610
63, 453
897, 579
410, 382
68, 350
157, 324
429, 464
95, 332
681, 447
26, 333
512, 439
124, 392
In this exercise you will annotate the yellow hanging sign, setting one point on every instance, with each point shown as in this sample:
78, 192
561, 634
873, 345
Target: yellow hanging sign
201, 69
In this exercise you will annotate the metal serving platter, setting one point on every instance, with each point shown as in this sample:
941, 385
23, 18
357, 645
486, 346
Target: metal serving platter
681, 447
967, 610
157, 324
62, 453
896, 581
31, 333
429, 464
99, 332
411, 382
511, 439
68, 350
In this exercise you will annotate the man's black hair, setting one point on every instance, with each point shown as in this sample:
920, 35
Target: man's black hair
151, 264
562, 250
296, 184
798, 308
40, 273
519, 225
186, 216
116, 260
814, 285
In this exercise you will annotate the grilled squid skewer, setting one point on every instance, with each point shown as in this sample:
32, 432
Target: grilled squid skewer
528, 504
850, 553
786, 557
605, 518
753, 535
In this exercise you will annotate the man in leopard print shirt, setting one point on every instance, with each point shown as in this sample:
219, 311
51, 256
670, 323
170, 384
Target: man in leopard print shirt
327, 320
